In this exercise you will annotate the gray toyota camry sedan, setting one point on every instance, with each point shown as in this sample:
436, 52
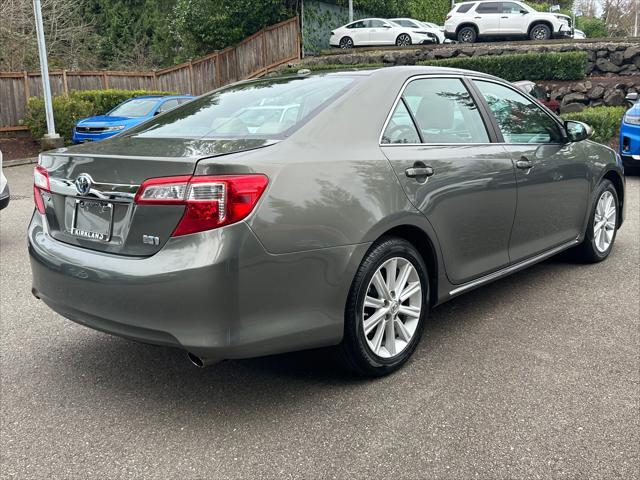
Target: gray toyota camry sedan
316, 210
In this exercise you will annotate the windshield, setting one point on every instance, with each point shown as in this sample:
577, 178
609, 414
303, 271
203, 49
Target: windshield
260, 109
138, 107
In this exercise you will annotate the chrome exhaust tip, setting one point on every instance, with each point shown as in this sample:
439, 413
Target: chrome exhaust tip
201, 362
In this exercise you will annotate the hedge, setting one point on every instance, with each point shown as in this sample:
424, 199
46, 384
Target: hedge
525, 66
68, 109
605, 121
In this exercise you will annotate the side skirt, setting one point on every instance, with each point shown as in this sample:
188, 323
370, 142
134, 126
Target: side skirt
512, 268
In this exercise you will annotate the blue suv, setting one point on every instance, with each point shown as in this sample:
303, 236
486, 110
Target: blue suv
126, 115
630, 134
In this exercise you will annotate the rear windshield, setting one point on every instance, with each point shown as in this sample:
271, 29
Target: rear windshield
261, 109
464, 7
134, 108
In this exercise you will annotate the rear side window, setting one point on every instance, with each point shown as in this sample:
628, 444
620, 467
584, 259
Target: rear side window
359, 24
444, 112
489, 7
261, 109
519, 119
401, 128
464, 7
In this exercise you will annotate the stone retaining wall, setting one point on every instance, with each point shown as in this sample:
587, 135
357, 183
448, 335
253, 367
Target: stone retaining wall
593, 92
604, 58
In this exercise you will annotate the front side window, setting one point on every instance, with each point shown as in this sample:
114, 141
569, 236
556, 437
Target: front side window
168, 105
444, 111
519, 119
488, 7
511, 8
376, 23
258, 109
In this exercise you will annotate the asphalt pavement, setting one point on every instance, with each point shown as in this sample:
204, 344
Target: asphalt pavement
534, 376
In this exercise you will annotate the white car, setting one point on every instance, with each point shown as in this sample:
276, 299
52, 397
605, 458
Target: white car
430, 28
377, 31
4, 187
469, 21
579, 34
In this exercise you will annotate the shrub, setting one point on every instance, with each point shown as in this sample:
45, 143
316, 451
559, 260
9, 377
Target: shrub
605, 121
526, 66
68, 109
66, 112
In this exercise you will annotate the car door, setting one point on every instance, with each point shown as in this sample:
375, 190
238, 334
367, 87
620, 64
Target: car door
552, 175
443, 155
487, 17
380, 32
513, 19
359, 33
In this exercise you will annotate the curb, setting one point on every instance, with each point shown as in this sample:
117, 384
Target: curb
19, 161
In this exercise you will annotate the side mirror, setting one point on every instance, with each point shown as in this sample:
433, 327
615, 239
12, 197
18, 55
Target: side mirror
523, 12
386, 26
577, 131
632, 98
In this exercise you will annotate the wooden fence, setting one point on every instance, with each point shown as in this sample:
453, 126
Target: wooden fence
254, 56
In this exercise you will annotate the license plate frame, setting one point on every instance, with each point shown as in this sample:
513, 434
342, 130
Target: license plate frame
82, 215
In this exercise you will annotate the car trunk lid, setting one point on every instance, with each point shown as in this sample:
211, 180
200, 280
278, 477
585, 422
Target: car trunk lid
91, 205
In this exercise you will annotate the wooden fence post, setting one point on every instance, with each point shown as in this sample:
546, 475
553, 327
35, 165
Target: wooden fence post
264, 49
105, 81
191, 81
65, 85
154, 81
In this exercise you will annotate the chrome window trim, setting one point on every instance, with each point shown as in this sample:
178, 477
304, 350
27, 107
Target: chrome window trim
461, 77
422, 76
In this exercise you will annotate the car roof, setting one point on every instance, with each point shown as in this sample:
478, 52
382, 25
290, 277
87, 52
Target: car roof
160, 97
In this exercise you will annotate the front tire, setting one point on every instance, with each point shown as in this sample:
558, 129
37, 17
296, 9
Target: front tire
540, 32
403, 40
602, 226
467, 35
386, 309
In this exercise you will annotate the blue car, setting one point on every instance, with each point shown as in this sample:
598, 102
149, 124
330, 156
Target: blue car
630, 134
126, 115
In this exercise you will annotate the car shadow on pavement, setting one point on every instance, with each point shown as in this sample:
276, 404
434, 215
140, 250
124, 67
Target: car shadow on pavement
161, 376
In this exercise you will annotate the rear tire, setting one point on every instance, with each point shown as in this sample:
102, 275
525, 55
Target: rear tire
602, 226
394, 319
346, 42
467, 35
540, 32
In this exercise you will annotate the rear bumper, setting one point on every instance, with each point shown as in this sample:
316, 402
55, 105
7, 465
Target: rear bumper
217, 294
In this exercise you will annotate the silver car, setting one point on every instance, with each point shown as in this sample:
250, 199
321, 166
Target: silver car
340, 222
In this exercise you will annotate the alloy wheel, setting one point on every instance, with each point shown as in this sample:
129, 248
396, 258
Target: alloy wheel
466, 36
392, 307
404, 40
540, 33
604, 222
346, 43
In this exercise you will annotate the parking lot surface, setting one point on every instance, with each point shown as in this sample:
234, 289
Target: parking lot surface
534, 376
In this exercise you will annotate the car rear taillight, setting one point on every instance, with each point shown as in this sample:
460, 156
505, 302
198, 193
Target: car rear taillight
40, 182
210, 201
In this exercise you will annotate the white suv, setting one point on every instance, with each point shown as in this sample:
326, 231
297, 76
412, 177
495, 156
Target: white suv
469, 21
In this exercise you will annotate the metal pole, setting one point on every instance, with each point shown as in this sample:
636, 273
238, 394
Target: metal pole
44, 69
635, 28
350, 11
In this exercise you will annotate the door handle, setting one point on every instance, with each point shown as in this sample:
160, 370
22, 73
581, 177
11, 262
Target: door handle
504, 17
419, 172
524, 164
477, 18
